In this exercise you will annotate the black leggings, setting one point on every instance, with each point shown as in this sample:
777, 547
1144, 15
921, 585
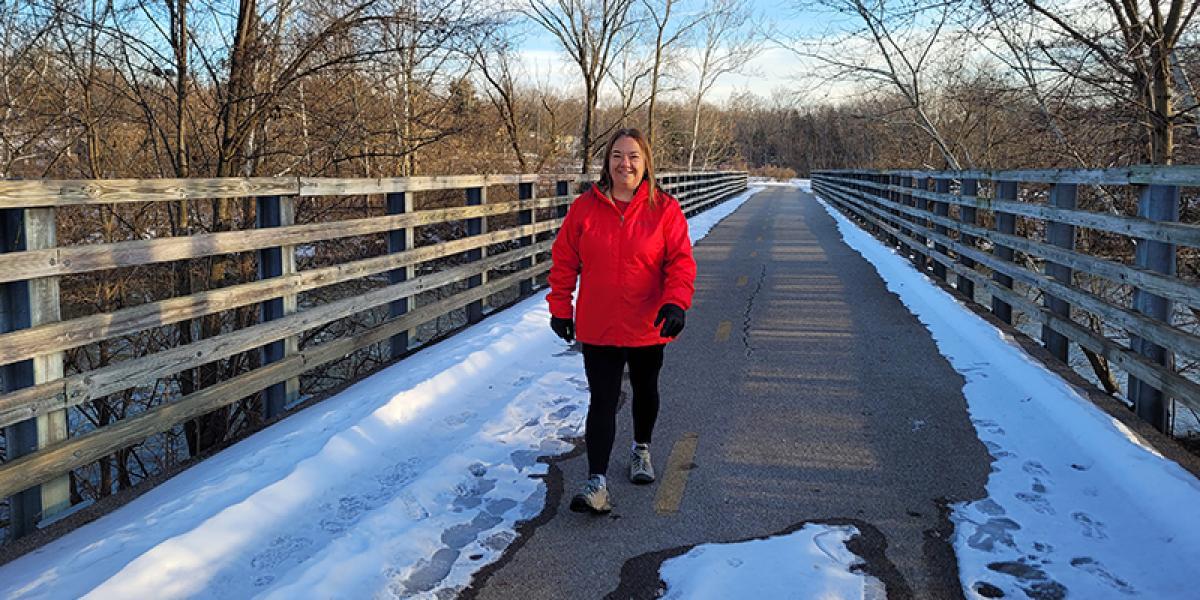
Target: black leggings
604, 366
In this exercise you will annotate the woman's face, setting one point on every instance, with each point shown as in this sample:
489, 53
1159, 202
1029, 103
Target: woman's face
625, 164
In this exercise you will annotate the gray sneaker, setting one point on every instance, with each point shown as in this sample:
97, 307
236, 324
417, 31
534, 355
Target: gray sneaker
593, 498
640, 470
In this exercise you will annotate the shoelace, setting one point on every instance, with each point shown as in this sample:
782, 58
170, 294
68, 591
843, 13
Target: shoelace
639, 462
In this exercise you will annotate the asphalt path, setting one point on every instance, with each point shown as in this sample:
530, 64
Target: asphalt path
809, 394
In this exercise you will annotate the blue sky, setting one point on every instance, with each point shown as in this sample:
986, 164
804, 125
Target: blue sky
773, 72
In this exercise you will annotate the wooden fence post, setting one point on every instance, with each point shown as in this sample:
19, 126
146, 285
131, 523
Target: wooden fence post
27, 304
476, 196
900, 197
400, 240
870, 196
526, 191
918, 256
967, 188
1157, 203
941, 185
1005, 223
1062, 195
562, 188
274, 211
884, 179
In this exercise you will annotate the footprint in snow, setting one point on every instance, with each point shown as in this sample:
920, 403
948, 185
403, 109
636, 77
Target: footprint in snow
562, 413
282, 549
398, 474
989, 507
523, 459
458, 536
468, 494
1090, 527
427, 573
580, 384
994, 531
1037, 502
1034, 467
1094, 567
459, 419
996, 450
498, 541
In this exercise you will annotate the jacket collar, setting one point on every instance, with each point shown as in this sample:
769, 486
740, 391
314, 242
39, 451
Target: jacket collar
639, 195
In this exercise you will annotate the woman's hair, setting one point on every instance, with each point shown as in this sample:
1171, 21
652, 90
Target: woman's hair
605, 183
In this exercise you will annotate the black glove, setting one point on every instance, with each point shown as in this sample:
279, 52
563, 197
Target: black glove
563, 328
672, 320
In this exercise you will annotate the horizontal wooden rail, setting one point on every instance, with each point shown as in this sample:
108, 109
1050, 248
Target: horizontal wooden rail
68, 260
62, 335
77, 389
36, 193
1185, 176
82, 259
76, 452
1127, 319
1184, 389
17, 406
1171, 233
1157, 283
704, 201
893, 210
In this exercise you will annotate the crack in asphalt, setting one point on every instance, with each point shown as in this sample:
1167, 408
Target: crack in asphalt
762, 276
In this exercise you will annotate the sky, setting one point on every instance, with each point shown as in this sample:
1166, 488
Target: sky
414, 478
775, 72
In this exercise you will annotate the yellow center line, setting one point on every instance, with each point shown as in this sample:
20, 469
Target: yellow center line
670, 491
743, 280
723, 330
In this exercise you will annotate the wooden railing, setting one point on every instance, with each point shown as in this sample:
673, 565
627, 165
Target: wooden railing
949, 220
35, 394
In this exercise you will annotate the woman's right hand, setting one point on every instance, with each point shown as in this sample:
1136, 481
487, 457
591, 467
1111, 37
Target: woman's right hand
564, 328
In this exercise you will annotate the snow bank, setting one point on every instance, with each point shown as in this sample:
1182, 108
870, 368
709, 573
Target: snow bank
1077, 504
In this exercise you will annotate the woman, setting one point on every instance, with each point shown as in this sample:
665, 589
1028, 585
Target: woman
627, 243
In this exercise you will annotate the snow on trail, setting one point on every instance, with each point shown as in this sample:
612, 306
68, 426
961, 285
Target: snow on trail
1077, 505
812, 562
402, 485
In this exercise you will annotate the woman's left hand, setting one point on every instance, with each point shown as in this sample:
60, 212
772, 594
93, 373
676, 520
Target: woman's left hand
672, 319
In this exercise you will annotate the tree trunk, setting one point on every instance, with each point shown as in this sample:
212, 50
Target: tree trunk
1162, 138
585, 151
695, 132
654, 84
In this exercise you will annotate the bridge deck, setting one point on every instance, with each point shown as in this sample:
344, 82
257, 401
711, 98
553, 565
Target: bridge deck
808, 389
805, 412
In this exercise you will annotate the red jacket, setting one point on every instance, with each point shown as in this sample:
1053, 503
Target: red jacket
628, 266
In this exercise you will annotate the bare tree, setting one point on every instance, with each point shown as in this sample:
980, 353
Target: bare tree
667, 34
895, 45
630, 70
1129, 52
727, 44
493, 57
26, 71
588, 31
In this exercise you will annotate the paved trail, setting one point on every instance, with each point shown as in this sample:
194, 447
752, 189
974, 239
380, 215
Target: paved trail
793, 382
